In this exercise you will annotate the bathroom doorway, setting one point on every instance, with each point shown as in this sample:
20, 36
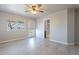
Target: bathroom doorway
47, 28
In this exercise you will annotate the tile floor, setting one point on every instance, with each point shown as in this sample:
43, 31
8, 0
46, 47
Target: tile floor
33, 46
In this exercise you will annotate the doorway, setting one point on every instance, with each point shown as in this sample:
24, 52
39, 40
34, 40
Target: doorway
47, 28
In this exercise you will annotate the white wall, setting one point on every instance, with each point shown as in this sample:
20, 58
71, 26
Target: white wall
11, 35
60, 27
40, 28
71, 25
77, 26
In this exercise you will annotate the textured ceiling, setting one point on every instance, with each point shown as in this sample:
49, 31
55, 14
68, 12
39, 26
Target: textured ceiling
48, 8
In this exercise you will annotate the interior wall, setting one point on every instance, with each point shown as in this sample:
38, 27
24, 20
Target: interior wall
77, 26
61, 26
12, 35
71, 25
40, 28
58, 26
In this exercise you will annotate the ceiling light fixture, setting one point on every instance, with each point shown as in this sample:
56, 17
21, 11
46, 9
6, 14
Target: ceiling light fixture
34, 8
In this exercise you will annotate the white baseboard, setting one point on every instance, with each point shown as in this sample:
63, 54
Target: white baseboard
71, 44
62, 42
12, 40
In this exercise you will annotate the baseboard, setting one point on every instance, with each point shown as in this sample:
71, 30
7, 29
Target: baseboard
77, 43
12, 40
62, 42
71, 44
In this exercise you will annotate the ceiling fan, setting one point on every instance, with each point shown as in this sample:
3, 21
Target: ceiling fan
34, 8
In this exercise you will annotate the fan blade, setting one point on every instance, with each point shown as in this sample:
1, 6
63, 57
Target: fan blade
27, 6
26, 11
41, 11
39, 5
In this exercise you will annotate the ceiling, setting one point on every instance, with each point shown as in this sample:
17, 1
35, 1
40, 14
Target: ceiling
48, 8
